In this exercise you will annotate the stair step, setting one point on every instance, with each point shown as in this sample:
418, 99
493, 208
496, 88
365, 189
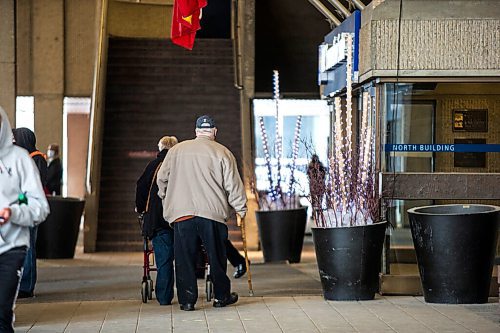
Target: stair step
153, 89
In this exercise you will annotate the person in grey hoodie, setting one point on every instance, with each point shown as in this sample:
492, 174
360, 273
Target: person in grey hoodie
25, 138
22, 205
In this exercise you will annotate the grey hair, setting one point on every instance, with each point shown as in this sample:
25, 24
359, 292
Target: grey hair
206, 132
167, 142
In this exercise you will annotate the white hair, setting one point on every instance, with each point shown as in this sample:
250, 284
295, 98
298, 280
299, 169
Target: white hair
207, 132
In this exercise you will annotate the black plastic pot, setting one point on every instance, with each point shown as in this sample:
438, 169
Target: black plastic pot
281, 233
349, 260
455, 247
57, 236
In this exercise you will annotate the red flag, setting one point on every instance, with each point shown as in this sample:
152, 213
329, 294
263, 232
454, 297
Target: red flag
186, 21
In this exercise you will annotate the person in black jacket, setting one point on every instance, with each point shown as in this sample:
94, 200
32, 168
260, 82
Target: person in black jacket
316, 174
155, 227
54, 171
26, 139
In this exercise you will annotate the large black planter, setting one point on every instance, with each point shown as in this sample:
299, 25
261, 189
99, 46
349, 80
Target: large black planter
57, 236
281, 233
349, 260
455, 247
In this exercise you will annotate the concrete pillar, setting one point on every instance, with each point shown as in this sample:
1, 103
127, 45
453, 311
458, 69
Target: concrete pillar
24, 66
48, 120
80, 44
96, 131
8, 58
246, 46
48, 70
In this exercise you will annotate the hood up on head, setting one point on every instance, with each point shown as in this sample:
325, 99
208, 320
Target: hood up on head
5, 134
25, 138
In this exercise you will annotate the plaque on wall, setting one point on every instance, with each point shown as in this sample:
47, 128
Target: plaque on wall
468, 120
470, 160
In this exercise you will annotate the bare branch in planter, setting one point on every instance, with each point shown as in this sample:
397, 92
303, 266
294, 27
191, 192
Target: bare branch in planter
316, 173
350, 197
278, 146
276, 197
267, 154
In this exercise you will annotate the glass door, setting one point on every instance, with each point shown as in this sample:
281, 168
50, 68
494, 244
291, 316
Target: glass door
409, 121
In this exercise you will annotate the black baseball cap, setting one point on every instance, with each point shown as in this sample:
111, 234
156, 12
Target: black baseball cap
205, 122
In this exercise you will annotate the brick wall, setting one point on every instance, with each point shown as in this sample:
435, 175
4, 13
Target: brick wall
153, 89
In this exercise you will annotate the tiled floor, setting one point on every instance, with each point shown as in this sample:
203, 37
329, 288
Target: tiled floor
100, 293
256, 314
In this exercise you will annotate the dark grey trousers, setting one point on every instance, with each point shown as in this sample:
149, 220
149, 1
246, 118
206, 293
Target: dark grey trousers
11, 263
213, 236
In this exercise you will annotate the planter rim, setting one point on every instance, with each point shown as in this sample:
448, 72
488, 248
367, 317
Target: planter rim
61, 198
280, 210
348, 226
416, 210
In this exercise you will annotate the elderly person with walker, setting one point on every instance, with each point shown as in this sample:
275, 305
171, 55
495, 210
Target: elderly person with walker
198, 183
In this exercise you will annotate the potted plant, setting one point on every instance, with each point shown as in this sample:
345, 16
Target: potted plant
281, 219
349, 234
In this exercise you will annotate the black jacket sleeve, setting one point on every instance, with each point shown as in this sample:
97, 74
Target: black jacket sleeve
54, 176
143, 185
41, 164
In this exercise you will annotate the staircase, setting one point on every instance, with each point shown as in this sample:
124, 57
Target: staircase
154, 88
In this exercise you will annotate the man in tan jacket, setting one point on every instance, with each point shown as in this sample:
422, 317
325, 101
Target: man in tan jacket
199, 183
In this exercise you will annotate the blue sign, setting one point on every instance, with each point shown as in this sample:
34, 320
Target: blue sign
333, 57
443, 148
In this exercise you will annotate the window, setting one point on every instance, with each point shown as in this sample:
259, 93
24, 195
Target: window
314, 137
25, 116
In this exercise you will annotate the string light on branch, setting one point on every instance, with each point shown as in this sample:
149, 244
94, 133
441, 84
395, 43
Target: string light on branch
278, 146
295, 155
267, 156
277, 198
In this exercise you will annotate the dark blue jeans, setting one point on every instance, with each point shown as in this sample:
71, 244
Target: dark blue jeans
11, 263
28, 280
163, 245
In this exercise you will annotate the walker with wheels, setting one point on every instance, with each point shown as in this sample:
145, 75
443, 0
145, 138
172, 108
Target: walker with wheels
148, 267
147, 285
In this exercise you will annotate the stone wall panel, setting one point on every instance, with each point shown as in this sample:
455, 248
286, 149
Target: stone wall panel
449, 44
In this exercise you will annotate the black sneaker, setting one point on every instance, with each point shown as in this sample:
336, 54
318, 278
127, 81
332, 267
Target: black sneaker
240, 270
187, 307
233, 298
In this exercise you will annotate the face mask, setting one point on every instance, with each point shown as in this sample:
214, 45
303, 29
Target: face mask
50, 153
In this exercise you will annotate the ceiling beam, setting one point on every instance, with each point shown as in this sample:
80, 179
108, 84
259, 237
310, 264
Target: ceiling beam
358, 4
334, 21
340, 7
